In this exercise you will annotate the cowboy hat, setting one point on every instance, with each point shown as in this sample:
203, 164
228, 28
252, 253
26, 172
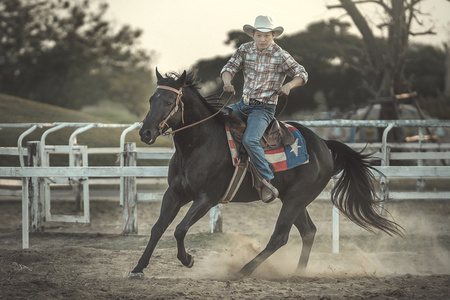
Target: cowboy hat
263, 24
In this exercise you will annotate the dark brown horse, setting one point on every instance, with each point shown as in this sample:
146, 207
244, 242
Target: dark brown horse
201, 169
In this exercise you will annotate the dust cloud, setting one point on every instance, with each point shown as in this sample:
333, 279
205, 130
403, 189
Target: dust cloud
422, 251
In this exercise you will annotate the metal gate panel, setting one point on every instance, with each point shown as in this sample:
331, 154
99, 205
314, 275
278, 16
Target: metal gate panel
80, 181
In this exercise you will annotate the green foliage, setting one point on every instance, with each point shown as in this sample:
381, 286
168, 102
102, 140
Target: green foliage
18, 110
425, 69
332, 57
437, 107
327, 51
336, 62
66, 53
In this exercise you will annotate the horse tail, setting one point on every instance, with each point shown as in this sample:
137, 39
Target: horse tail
354, 191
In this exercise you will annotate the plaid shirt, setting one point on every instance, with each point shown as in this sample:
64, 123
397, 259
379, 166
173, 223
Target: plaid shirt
264, 71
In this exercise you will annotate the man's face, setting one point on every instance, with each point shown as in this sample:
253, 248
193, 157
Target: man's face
263, 39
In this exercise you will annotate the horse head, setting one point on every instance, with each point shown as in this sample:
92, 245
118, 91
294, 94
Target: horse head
166, 108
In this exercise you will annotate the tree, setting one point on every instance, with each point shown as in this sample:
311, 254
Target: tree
66, 53
447, 71
425, 70
328, 52
339, 68
386, 57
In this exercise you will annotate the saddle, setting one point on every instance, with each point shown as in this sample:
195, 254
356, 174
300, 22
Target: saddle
277, 135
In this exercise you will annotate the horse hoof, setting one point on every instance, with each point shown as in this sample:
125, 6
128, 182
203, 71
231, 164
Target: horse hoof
237, 276
244, 272
300, 272
139, 275
191, 263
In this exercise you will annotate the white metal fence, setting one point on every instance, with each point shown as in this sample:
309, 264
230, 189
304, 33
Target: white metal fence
37, 176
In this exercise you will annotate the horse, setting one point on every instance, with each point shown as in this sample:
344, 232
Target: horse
201, 169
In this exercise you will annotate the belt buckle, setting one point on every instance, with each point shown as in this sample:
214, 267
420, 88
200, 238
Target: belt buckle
246, 100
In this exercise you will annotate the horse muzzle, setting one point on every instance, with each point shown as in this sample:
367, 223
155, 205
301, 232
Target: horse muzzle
148, 137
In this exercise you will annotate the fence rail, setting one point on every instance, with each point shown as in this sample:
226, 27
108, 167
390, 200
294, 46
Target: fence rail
39, 170
393, 172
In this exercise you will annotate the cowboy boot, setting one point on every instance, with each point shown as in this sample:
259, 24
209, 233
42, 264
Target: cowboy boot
267, 192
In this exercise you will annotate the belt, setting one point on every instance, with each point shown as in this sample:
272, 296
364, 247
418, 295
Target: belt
255, 102
251, 101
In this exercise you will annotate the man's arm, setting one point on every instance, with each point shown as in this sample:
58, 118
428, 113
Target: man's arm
227, 86
286, 89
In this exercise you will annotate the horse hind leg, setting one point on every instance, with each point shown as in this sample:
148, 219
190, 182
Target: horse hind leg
307, 231
279, 238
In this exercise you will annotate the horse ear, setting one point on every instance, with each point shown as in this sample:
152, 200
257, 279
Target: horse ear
182, 79
158, 76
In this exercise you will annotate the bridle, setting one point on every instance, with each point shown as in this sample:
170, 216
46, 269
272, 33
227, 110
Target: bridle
179, 102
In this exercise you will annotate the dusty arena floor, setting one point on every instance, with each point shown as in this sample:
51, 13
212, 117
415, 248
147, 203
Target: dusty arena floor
85, 261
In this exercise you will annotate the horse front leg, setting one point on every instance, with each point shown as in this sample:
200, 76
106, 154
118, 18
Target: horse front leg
170, 207
198, 209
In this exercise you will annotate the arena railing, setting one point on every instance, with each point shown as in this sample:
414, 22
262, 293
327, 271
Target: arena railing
123, 172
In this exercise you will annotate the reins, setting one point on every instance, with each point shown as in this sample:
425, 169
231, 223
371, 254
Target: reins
179, 102
175, 109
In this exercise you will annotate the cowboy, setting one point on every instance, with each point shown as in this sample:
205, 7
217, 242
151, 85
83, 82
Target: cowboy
265, 67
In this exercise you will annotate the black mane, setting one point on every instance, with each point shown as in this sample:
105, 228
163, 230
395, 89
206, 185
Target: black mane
212, 102
191, 79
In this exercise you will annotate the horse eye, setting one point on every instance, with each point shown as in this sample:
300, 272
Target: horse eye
168, 102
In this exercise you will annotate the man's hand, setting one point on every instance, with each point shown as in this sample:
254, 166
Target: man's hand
286, 89
229, 88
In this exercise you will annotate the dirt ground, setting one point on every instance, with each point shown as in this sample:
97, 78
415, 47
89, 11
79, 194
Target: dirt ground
87, 261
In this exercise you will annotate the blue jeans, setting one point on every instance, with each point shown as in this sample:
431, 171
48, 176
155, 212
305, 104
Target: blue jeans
258, 118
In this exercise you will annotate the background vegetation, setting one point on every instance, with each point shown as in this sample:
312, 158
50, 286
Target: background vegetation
335, 60
66, 53
18, 110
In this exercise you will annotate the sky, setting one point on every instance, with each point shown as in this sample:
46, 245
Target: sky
181, 32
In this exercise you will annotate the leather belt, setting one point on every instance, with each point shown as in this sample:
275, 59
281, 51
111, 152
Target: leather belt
255, 102
251, 101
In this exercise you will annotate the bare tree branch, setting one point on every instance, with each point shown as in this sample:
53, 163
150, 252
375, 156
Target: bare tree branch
379, 2
427, 32
338, 6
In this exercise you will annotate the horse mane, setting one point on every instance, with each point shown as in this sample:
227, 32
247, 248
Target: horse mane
191, 78
194, 84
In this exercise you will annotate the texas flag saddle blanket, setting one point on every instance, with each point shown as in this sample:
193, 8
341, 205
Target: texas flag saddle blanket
283, 158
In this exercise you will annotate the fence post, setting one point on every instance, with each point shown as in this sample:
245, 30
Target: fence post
335, 222
385, 161
420, 183
129, 191
215, 219
77, 186
35, 201
384, 182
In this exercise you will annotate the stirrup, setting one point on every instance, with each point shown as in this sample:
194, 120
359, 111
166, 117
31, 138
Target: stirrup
267, 192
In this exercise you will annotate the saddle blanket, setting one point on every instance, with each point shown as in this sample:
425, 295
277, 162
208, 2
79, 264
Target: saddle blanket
282, 159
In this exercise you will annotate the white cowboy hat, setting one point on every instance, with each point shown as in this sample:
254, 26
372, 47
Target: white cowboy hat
263, 24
